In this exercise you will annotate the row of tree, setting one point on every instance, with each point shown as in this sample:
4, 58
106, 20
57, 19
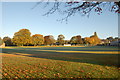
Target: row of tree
23, 38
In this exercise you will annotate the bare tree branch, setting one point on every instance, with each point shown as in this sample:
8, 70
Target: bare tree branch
84, 8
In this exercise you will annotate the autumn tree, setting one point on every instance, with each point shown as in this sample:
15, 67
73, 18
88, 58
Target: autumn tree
71, 8
87, 40
116, 39
93, 39
1, 41
7, 41
73, 40
76, 40
49, 40
79, 40
110, 39
22, 37
37, 39
67, 41
60, 39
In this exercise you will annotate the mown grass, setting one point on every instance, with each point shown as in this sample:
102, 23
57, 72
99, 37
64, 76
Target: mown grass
41, 62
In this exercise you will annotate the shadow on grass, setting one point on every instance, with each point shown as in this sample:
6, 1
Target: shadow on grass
93, 48
98, 59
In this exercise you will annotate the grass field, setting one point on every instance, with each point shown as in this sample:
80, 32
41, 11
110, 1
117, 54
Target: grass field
60, 62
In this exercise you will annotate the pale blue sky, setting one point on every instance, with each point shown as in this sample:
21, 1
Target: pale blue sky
18, 15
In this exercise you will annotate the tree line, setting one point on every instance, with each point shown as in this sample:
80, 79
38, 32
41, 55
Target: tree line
23, 38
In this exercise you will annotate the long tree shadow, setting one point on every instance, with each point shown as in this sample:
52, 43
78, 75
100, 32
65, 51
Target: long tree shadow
94, 48
98, 59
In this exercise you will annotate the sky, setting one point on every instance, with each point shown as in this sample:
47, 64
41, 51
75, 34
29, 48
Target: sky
19, 15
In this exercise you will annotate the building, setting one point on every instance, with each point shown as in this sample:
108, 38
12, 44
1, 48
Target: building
67, 44
115, 43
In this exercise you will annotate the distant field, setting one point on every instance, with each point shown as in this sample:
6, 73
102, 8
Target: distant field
60, 62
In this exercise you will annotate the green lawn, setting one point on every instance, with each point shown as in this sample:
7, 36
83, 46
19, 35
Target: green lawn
60, 62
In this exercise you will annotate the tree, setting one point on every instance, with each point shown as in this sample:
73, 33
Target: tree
87, 40
79, 40
93, 39
76, 40
7, 41
116, 39
22, 37
110, 39
70, 8
67, 41
37, 39
49, 40
73, 40
60, 39
1, 41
